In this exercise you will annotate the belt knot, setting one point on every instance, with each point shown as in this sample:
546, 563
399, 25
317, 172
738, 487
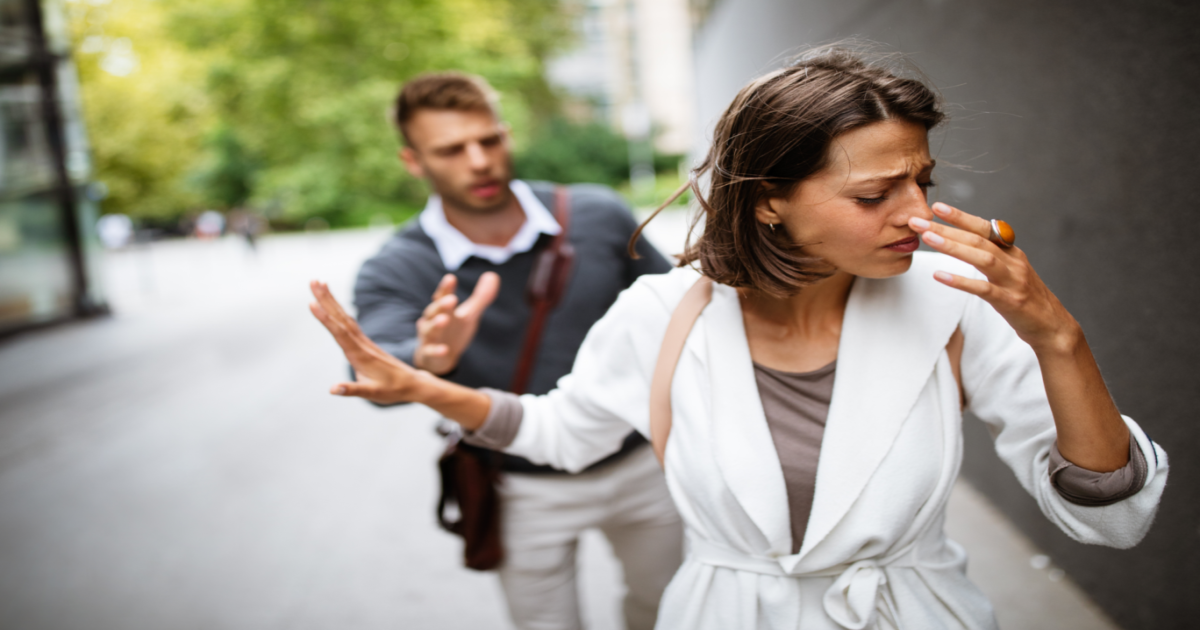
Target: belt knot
851, 599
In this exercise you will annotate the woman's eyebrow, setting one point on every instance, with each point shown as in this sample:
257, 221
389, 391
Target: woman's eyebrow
893, 176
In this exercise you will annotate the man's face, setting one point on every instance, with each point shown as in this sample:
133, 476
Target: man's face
465, 157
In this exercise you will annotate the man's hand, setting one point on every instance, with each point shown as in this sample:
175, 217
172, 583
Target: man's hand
446, 327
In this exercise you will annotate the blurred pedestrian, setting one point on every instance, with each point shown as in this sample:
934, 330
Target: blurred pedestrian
249, 225
450, 294
817, 369
210, 225
115, 230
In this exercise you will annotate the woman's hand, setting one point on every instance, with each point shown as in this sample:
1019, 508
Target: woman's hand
1012, 287
381, 377
1091, 433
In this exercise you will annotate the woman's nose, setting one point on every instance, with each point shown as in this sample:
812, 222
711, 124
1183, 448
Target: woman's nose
916, 204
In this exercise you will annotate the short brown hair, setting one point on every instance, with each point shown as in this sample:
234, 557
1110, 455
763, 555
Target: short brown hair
779, 130
443, 90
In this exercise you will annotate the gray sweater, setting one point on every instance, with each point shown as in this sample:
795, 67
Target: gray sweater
396, 285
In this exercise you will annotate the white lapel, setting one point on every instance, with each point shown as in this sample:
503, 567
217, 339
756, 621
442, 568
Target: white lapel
745, 451
892, 334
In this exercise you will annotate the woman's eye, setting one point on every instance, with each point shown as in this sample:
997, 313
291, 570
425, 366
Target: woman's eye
871, 200
927, 185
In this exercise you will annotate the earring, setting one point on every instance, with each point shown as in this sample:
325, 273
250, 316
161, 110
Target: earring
772, 226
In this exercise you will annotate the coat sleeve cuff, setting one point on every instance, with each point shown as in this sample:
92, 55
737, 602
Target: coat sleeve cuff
1085, 487
502, 423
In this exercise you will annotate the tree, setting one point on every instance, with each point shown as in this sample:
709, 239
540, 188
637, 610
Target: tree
281, 104
144, 105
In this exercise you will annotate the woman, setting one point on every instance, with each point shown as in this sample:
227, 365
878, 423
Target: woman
812, 501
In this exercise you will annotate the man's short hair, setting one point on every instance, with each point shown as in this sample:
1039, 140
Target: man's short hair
445, 91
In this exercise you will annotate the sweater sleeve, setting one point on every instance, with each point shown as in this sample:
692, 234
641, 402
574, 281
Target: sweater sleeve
1088, 487
502, 422
1004, 389
590, 412
390, 293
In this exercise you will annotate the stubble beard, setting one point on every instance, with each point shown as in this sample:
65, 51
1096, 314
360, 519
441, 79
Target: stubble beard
461, 200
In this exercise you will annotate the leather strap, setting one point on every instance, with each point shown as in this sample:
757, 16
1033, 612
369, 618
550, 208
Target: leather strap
547, 283
678, 329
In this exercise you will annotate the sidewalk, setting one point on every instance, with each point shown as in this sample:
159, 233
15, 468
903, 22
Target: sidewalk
181, 466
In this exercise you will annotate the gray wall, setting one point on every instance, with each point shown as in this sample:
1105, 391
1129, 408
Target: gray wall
1079, 123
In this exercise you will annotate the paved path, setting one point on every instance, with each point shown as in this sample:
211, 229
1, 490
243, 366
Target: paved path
180, 466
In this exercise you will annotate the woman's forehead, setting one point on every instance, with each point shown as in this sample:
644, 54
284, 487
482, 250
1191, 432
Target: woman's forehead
892, 149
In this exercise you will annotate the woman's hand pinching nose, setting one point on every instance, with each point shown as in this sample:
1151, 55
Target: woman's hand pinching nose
924, 228
919, 224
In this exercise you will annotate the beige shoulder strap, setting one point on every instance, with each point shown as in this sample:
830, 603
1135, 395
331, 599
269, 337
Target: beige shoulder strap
678, 329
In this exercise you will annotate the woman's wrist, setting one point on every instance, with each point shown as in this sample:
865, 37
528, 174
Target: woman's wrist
1091, 432
424, 386
464, 405
1065, 342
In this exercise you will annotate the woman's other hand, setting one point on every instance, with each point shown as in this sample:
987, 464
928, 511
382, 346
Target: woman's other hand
1012, 287
380, 377
1091, 433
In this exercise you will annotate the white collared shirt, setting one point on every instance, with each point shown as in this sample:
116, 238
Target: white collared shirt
454, 248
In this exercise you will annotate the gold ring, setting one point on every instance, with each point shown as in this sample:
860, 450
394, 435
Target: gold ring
1001, 233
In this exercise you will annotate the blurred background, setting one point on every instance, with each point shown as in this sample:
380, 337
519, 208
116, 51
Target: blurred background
172, 172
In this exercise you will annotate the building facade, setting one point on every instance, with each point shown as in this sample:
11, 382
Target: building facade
633, 61
48, 252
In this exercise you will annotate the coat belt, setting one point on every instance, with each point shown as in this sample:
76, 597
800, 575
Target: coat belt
852, 601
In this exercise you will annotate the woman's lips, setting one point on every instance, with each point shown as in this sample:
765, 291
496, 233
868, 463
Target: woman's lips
905, 246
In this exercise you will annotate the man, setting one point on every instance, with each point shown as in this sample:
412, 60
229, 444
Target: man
472, 250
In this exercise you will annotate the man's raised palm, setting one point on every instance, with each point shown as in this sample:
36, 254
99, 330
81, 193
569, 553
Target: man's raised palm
446, 327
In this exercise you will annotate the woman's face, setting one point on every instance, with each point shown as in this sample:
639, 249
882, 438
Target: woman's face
854, 213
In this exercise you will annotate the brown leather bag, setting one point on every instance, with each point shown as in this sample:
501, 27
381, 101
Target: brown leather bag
469, 477
470, 474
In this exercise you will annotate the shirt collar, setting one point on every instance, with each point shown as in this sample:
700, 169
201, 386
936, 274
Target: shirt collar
454, 248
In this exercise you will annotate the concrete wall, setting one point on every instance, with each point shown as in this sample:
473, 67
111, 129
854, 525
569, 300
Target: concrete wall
1078, 122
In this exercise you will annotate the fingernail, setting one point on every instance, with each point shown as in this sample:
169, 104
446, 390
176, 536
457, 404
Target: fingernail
943, 276
933, 238
919, 223
341, 390
941, 208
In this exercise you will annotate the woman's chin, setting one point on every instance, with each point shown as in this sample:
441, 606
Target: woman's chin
889, 269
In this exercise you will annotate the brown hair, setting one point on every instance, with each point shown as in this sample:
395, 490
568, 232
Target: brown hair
779, 130
443, 90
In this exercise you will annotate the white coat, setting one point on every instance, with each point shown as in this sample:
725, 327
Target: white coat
874, 554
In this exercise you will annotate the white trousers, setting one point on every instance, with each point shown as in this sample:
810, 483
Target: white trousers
543, 516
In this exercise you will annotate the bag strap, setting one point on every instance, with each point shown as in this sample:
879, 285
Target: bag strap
678, 329
547, 283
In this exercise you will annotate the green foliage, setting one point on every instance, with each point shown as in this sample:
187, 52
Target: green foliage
666, 182
148, 119
281, 104
227, 176
565, 152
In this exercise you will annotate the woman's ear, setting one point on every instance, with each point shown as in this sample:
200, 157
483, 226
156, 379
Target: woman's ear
765, 209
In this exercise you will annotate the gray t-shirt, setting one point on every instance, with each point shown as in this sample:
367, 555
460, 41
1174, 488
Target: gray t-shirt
796, 405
